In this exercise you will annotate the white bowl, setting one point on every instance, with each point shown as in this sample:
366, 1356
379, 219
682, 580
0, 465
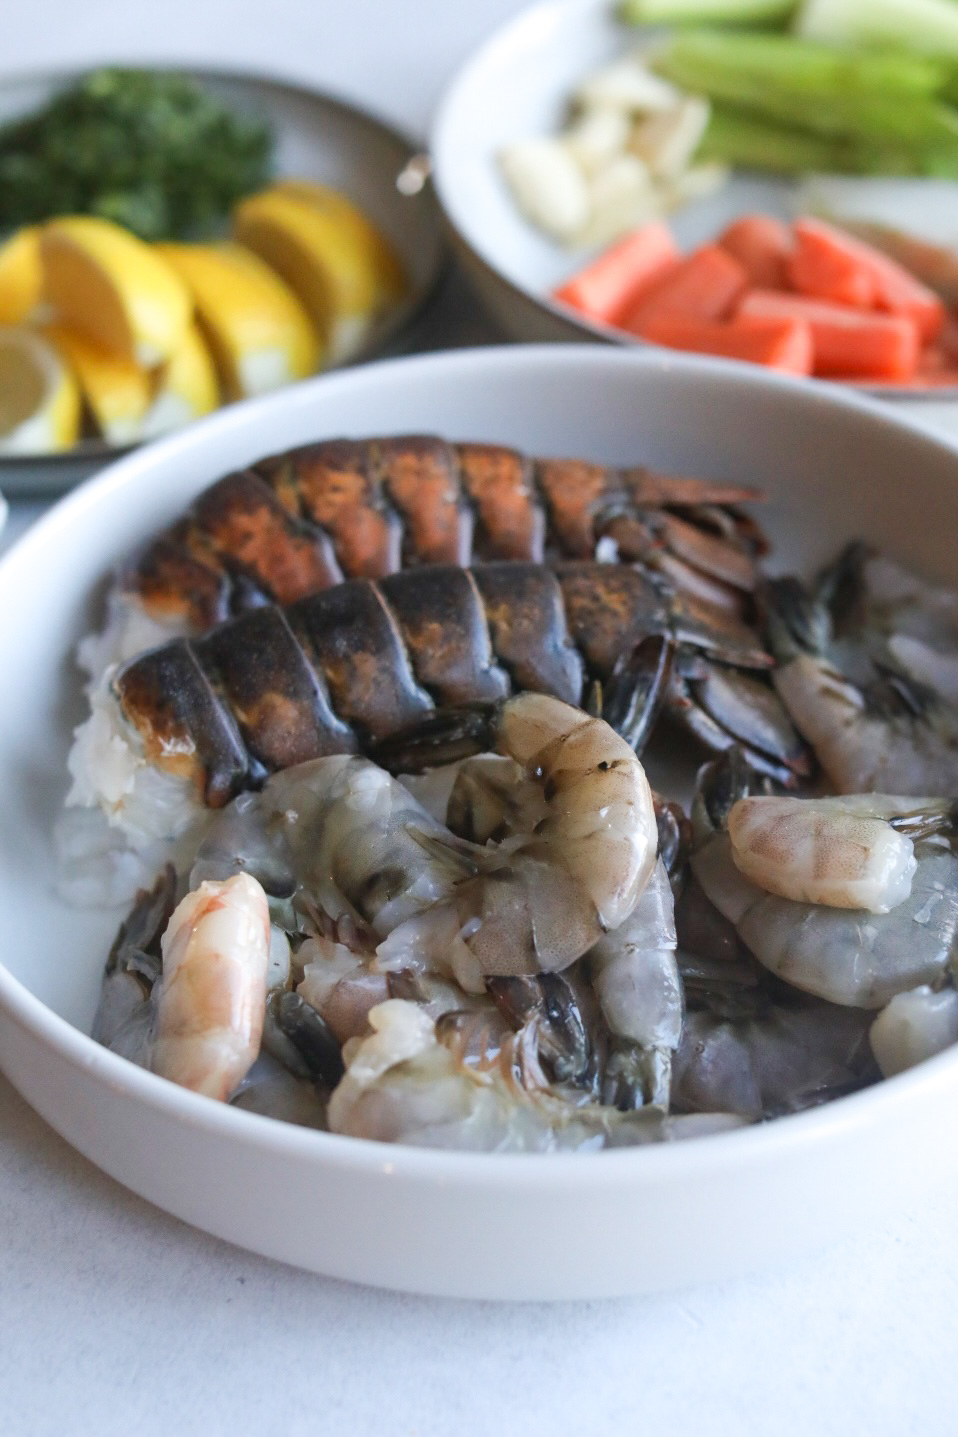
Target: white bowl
516, 86
460, 1224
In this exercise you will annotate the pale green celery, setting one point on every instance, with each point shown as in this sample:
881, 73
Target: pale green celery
750, 143
927, 27
736, 67
706, 12
871, 118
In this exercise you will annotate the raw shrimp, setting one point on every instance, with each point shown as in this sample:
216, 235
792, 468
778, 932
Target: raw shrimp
875, 601
637, 982
849, 956
124, 1017
913, 1027
850, 852
467, 1086
270, 1089
534, 902
212, 997
633, 969
774, 1056
871, 729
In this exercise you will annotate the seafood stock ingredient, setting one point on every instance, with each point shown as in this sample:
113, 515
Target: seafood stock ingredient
878, 605
295, 523
850, 852
531, 903
409, 1082
194, 722
847, 956
871, 729
212, 996
913, 1027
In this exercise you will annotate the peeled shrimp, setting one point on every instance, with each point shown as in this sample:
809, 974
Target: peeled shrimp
212, 997
913, 1027
847, 956
842, 852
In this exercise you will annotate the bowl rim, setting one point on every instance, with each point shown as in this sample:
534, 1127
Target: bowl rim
695, 1158
389, 330
504, 37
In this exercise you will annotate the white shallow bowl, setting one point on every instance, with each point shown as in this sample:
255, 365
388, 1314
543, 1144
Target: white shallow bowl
516, 86
466, 1225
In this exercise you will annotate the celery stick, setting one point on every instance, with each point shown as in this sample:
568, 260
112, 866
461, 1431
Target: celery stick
872, 118
928, 27
748, 142
706, 12
732, 67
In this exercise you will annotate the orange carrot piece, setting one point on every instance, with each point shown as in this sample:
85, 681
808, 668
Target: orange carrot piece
705, 286
895, 291
605, 289
898, 292
763, 246
850, 343
826, 264
784, 344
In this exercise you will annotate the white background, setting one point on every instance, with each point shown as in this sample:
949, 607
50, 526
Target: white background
116, 1319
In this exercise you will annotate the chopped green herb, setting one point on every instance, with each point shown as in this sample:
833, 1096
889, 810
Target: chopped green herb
148, 149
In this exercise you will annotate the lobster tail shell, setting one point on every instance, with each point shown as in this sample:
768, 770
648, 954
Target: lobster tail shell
352, 665
299, 522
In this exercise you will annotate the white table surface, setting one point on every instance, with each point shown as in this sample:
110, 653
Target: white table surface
117, 1319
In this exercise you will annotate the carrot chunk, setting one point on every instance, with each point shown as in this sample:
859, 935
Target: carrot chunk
826, 264
846, 342
609, 286
705, 286
784, 344
763, 246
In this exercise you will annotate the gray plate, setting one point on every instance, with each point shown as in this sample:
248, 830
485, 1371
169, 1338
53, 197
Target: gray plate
316, 137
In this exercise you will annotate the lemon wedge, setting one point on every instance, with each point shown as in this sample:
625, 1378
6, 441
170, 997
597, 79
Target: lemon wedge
39, 398
328, 253
117, 391
187, 387
260, 335
370, 241
19, 274
116, 291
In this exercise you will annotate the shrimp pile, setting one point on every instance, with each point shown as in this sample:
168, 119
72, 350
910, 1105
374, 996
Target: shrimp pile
414, 883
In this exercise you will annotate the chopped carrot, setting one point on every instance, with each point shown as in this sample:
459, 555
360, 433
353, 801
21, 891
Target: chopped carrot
898, 292
895, 290
609, 286
705, 286
848, 342
827, 264
762, 245
784, 344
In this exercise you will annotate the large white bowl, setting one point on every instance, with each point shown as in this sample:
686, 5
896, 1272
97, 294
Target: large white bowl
458, 1224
